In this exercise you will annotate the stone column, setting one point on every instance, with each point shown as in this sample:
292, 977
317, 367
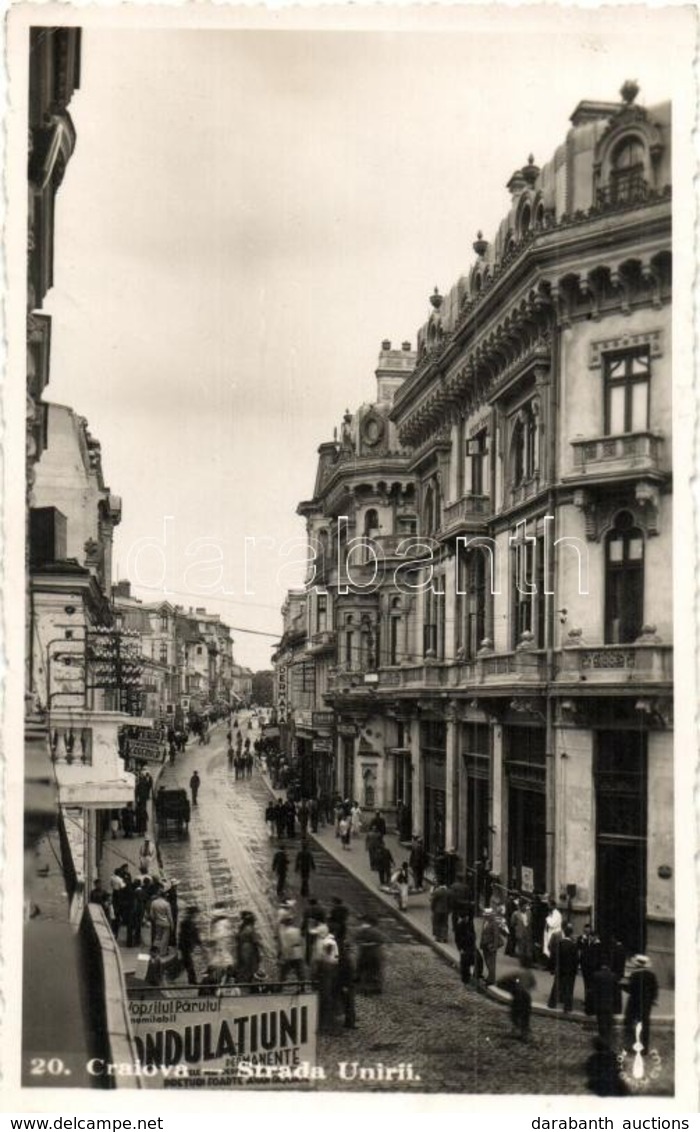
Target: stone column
417, 778
499, 840
451, 765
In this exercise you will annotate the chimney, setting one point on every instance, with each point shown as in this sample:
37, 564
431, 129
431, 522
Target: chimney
122, 588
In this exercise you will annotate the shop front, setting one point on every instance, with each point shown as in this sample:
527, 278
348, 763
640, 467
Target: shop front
525, 767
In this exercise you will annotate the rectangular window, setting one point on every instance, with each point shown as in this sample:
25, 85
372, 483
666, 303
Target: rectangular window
477, 451
528, 591
627, 378
321, 613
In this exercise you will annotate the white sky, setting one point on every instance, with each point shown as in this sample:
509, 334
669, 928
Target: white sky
248, 214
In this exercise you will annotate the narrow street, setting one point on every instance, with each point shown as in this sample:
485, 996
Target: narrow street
465, 1042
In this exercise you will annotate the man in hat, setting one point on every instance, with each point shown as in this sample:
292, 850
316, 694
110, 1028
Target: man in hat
280, 865
161, 923
304, 865
188, 939
643, 990
491, 942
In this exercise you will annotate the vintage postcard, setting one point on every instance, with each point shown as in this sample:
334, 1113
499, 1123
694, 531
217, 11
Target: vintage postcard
349, 561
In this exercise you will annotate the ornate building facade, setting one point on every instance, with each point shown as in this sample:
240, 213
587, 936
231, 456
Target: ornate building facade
514, 696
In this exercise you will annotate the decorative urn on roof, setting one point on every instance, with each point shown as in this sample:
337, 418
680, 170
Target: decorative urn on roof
531, 171
629, 91
480, 244
436, 299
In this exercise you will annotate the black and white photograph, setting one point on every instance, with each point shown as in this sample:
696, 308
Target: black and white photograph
352, 557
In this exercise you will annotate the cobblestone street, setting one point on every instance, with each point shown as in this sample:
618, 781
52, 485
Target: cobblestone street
455, 1039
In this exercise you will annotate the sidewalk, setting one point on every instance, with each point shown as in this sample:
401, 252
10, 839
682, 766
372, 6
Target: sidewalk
418, 919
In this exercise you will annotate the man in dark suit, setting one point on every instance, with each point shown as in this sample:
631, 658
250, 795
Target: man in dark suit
565, 963
643, 990
589, 953
604, 993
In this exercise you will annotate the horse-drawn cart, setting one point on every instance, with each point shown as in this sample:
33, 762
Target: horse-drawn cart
172, 812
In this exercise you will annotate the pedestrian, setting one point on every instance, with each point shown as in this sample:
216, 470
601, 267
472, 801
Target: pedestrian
604, 992
589, 955
117, 884
148, 858
490, 944
564, 953
314, 914
154, 971
128, 900
440, 867
552, 927
141, 816
98, 895
248, 949
400, 879
520, 1003
356, 819
345, 985
313, 814
521, 932
465, 941
290, 817
303, 816
385, 863
291, 949
270, 819
378, 823
171, 897
439, 910
304, 865
459, 900
189, 939
195, 783
370, 956
416, 862
280, 866
338, 920
220, 965
161, 917
344, 829
138, 911
280, 817
128, 819
643, 990
327, 974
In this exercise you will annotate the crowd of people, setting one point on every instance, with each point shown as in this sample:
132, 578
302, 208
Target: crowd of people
315, 946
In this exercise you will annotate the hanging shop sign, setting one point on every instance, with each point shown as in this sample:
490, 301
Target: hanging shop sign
322, 720
322, 746
145, 750
187, 1041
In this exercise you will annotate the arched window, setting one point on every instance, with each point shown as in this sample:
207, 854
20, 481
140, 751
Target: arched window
627, 173
624, 581
539, 216
525, 218
523, 447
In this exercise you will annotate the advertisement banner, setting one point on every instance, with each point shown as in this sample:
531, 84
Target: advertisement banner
187, 1041
145, 750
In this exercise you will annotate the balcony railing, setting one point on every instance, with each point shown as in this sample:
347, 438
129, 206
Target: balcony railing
638, 663
470, 511
322, 641
623, 191
524, 490
71, 745
632, 451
